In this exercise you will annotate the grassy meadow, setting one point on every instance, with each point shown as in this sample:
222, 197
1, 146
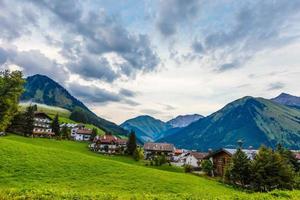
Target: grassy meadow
36, 168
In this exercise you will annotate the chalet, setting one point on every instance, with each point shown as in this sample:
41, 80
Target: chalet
221, 158
109, 144
42, 125
195, 158
151, 149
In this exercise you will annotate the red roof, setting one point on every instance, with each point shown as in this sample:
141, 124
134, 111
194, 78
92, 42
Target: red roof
198, 155
109, 139
84, 131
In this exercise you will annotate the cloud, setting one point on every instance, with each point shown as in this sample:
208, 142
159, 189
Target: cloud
94, 94
276, 86
127, 93
32, 62
151, 111
16, 21
91, 67
173, 13
256, 26
84, 36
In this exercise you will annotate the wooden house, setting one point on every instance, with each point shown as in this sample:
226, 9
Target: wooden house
221, 158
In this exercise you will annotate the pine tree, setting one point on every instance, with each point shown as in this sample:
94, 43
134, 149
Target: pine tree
289, 157
131, 144
94, 134
29, 121
55, 126
239, 170
270, 171
11, 88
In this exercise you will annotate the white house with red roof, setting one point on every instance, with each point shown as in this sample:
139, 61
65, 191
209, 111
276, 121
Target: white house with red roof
109, 144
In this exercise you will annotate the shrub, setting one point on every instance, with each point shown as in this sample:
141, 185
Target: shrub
207, 167
188, 168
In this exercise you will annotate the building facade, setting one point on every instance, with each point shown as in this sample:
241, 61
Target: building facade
42, 125
109, 144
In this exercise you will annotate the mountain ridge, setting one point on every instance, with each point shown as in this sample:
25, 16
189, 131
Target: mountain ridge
42, 89
254, 120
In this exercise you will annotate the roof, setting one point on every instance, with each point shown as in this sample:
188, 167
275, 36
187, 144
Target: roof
108, 139
151, 146
43, 133
84, 131
249, 152
178, 151
41, 115
198, 155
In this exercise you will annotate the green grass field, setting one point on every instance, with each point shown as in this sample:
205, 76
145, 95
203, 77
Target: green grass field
36, 168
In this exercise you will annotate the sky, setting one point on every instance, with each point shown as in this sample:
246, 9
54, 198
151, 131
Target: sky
160, 58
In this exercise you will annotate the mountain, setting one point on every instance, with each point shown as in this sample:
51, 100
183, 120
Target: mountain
288, 100
256, 121
146, 127
42, 89
184, 120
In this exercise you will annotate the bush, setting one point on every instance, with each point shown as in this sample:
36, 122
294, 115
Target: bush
188, 168
207, 167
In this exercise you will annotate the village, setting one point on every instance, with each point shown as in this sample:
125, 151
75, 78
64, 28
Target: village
154, 153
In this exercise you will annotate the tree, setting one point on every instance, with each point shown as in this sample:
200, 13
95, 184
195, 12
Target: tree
55, 126
270, 171
29, 120
131, 144
289, 157
207, 167
11, 88
239, 170
65, 132
138, 154
94, 133
17, 124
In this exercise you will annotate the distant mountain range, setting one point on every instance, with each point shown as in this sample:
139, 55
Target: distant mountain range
256, 121
148, 128
288, 100
42, 89
184, 120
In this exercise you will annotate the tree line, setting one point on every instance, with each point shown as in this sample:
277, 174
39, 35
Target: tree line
270, 169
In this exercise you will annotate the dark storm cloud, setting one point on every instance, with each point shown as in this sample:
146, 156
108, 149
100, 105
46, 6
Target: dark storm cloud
173, 13
95, 94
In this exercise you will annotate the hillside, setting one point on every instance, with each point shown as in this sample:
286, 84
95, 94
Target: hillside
41, 89
288, 100
256, 121
146, 127
184, 120
50, 169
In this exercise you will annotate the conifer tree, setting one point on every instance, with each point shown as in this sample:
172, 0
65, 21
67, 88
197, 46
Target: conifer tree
239, 170
131, 144
55, 126
94, 133
29, 121
270, 171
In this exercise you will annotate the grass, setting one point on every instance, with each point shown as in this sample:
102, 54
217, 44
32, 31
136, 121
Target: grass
36, 168
50, 110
